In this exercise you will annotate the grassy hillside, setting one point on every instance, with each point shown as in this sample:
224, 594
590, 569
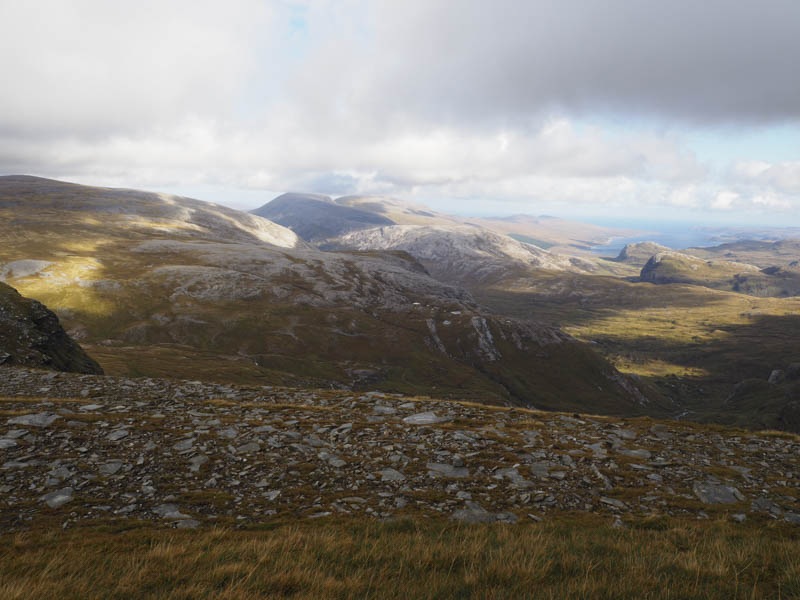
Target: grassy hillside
691, 343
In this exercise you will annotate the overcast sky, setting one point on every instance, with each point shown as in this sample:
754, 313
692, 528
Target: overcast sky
639, 108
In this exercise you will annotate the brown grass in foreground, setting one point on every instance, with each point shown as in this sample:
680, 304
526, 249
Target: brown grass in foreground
408, 559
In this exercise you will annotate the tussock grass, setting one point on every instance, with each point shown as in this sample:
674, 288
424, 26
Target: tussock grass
578, 557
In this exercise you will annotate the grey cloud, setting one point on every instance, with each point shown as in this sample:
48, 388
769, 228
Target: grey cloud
710, 61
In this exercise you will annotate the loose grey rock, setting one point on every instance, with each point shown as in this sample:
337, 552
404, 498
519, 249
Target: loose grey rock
169, 511
710, 493
111, 467
247, 448
184, 445
613, 502
425, 418
384, 410
117, 435
5, 443
447, 470
34, 420
391, 475
637, 453
58, 498
196, 462
188, 524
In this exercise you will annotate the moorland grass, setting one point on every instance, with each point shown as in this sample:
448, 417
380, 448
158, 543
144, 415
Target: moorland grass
569, 557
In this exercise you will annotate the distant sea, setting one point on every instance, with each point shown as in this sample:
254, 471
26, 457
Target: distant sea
672, 235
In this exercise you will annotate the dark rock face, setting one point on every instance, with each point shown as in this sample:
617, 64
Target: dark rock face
31, 335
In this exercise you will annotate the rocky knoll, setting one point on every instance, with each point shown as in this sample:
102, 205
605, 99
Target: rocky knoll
30, 334
188, 454
639, 253
677, 267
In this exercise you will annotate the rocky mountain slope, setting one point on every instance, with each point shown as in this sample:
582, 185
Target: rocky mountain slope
461, 254
154, 285
562, 236
85, 448
30, 334
316, 218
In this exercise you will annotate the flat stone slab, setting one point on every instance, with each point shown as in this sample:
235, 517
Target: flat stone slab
169, 511
58, 498
391, 475
35, 420
447, 470
711, 493
425, 418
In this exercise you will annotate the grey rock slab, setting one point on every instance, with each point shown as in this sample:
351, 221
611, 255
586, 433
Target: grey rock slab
228, 433
391, 475
635, 453
184, 445
5, 443
447, 470
169, 511
15, 434
247, 448
384, 410
473, 515
425, 418
112, 467
117, 435
58, 498
711, 493
511, 474
613, 502
34, 420
196, 462
625, 434
188, 524
271, 495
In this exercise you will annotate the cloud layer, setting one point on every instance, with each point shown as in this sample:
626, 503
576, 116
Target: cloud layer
579, 103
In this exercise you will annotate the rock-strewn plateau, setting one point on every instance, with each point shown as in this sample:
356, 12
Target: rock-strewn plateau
81, 447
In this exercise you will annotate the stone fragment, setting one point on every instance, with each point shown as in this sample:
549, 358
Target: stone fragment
58, 498
43, 419
247, 448
196, 462
391, 475
169, 511
635, 453
447, 470
117, 435
111, 467
711, 493
184, 445
613, 502
425, 418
